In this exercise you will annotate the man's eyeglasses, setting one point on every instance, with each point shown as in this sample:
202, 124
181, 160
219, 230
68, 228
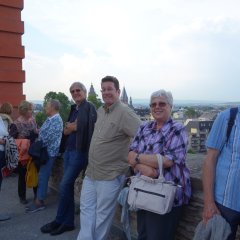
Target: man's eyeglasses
75, 90
159, 104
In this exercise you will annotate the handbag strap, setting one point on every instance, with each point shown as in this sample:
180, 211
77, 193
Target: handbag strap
160, 166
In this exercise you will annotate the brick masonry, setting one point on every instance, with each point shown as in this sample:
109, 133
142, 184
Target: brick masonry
12, 76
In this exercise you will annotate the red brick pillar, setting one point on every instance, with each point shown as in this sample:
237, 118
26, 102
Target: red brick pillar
12, 76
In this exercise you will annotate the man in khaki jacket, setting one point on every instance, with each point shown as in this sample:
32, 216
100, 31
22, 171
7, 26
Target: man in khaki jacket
116, 125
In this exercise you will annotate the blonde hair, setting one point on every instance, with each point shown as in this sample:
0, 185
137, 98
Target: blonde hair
23, 107
6, 108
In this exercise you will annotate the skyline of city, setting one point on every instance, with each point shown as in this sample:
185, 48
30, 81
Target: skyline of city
145, 101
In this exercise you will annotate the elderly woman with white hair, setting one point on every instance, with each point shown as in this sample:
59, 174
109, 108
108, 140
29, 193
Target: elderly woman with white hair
168, 138
50, 133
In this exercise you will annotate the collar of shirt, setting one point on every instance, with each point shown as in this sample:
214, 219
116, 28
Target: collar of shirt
165, 127
55, 115
111, 108
82, 103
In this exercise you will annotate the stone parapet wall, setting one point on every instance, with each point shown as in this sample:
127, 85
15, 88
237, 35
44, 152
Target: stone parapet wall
192, 213
56, 177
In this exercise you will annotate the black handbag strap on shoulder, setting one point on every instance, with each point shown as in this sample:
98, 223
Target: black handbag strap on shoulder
233, 114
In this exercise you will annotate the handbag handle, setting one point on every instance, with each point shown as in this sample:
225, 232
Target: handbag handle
160, 177
160, 165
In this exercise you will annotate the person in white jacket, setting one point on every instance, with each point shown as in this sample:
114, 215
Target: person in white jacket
5, 122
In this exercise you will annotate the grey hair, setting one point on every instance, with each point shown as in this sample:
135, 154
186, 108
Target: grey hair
55, 104
80, 85
163, 93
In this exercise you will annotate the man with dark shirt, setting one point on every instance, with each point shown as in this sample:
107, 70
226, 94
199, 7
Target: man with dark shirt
78, 130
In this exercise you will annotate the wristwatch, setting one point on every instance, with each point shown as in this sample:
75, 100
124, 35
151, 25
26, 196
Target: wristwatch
137, 159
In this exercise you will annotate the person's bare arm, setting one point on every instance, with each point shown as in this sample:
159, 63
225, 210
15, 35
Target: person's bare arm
148, 160
146, 170
209, 167
2, 141
70, 127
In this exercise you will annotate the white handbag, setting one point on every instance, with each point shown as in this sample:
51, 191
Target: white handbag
154, 195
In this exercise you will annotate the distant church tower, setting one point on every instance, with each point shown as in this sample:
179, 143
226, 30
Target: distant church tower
124, 97
91, 91
130, 103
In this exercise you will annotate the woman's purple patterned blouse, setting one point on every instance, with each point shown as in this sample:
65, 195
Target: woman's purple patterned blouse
170, 141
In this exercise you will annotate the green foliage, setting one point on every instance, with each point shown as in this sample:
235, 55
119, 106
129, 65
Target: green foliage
191, 151
64, 109
207, 108
95, 100
40, 118
63, 99
191, 113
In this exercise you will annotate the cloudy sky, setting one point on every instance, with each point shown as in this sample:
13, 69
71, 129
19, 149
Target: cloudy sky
190, 47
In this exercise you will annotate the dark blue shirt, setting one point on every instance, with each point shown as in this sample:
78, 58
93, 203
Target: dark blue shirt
71, 140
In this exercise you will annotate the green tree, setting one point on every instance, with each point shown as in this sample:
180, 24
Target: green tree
64, 109
95, 100
40, 118
191, 112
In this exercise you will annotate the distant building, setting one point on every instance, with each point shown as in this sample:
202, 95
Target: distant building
198, 131
143, 113
179, 115
124, 97
38, 107
92, 91
209, 115
130, 103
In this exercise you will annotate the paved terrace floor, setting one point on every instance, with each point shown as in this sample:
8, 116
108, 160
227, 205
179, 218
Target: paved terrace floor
26, 226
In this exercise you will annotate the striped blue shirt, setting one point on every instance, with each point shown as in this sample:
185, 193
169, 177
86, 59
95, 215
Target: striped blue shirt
227, 177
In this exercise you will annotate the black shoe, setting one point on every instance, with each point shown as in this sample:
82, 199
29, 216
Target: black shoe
23, 201
49, 227
4, 217
63, 228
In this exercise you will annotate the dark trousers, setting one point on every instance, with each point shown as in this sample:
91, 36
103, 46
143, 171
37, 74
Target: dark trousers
74, 163
22, 182
232, 217
152, 226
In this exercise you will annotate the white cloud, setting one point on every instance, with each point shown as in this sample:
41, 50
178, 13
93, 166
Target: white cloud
179, 45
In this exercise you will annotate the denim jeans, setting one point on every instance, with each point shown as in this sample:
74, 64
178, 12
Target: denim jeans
97, 204
43, 177
74, 162
232, 217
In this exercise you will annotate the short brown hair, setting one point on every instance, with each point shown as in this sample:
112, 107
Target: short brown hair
6, 108
24, 107
111, 79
